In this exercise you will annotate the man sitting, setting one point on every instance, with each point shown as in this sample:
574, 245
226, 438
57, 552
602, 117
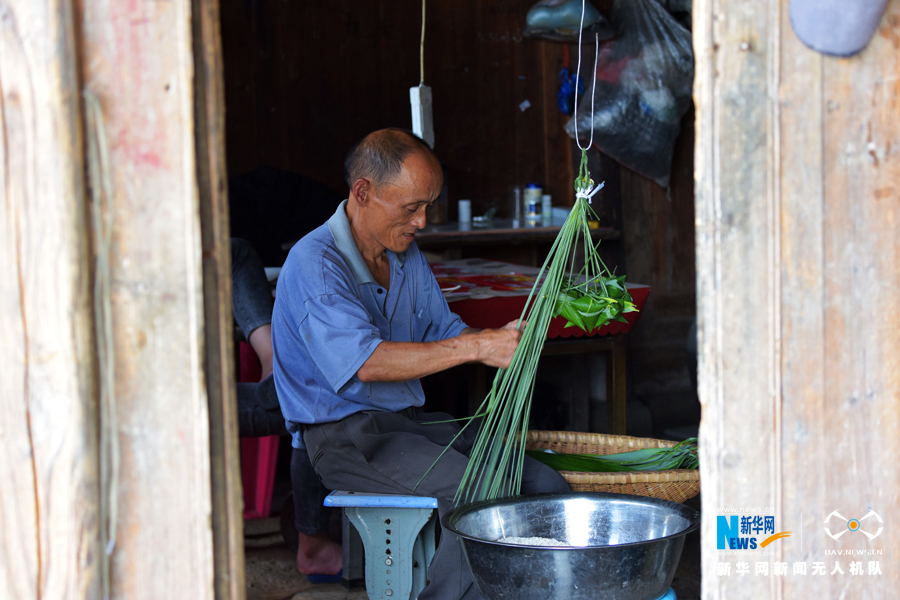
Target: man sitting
358, 320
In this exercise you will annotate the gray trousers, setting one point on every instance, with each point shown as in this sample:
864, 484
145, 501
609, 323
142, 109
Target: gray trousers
383, 452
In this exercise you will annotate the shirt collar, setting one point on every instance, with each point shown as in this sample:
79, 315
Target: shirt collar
346, 245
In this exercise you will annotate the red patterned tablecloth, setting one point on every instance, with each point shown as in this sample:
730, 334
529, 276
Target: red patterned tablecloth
488, 295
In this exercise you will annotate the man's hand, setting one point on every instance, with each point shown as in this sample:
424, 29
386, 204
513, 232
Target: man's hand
515, 325
497, 346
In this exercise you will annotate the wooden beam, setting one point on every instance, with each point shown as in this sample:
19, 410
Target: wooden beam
137, 61
209, 116
798, 266
49, 536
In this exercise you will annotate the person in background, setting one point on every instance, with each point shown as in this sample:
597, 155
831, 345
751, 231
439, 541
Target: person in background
251, 301
259, 413
358, 320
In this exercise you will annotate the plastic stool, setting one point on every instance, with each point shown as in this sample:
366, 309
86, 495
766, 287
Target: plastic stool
398, 538
670, 595
259, 456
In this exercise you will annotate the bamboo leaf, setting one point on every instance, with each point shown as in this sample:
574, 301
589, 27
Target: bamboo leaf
680, 456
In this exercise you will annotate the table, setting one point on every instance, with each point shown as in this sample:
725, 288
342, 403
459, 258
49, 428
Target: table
500, 230
489, 294
453, 240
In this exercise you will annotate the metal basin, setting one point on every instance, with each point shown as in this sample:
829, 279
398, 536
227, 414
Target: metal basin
619, 547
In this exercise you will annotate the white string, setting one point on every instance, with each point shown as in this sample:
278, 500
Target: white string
578, 76
587, 194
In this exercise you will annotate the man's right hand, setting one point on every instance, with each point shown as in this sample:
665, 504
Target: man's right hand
402, 361
497, 346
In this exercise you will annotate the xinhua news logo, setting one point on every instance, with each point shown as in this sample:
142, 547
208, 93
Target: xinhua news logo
746, 532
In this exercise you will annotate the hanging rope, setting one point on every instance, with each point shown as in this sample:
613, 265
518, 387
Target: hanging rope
422, 49
584, 185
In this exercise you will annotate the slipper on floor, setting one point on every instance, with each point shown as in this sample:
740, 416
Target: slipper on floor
325, 578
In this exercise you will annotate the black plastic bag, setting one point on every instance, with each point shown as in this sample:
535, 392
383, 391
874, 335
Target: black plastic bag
644, 81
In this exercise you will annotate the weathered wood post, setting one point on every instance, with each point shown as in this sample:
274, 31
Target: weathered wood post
118, 444
798, 264
154, 70
49, 480
209, 119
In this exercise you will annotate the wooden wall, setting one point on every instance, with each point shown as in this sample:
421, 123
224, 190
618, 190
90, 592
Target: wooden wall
798, 264
658, 239
305, 80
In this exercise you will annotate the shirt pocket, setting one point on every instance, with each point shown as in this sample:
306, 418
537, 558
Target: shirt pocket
421, 321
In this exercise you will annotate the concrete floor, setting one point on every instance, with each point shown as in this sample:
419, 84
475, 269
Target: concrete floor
272, 574
271, 570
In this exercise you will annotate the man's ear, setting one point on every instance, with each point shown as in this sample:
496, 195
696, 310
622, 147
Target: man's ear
360, 189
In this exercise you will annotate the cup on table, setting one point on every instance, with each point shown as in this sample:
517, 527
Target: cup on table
516, 204
465, 211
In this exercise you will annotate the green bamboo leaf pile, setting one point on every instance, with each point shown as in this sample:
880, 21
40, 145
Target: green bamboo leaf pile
588, 296
681, 456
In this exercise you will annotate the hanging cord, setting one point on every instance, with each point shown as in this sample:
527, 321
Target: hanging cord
584, 185
578, 75
101, 188
422, 49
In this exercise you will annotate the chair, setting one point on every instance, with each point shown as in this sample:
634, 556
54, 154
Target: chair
259, 456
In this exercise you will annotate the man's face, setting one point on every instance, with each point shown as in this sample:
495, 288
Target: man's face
397, 208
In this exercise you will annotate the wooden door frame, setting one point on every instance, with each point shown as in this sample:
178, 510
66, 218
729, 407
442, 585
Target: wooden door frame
120, 465
209, 123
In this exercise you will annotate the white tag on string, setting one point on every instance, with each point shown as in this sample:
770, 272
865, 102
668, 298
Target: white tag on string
422, 120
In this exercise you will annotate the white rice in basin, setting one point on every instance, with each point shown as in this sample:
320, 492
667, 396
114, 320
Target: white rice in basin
531, 541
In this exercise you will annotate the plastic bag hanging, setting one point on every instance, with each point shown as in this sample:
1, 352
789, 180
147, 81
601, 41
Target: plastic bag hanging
644, 81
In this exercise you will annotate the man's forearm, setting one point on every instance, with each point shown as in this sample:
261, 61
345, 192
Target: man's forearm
403, 361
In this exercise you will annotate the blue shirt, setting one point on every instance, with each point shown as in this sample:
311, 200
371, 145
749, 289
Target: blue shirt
330, 314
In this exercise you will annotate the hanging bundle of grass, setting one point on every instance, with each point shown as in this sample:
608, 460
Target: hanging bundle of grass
589, 297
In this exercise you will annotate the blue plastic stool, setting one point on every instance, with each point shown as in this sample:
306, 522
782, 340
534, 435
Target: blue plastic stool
398, 539
670, 595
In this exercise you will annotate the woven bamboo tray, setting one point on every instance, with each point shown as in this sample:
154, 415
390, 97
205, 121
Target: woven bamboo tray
676, 485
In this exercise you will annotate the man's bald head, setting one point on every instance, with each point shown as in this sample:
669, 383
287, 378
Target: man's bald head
379, 156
